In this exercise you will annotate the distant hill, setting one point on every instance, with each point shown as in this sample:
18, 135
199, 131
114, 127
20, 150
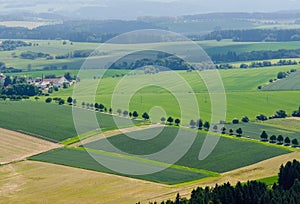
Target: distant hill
80, 31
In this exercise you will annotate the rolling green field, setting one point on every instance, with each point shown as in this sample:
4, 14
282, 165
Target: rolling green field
243, 97
56, 47
50, 121
82, 159
228, 155
59, 73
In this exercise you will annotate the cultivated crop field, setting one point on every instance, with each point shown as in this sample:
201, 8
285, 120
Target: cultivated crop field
30, 181
81, 159
285, 127
75, 175
15, 146
228, 155
47, 121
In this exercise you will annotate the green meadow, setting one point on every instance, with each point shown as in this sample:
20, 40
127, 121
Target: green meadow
240, 85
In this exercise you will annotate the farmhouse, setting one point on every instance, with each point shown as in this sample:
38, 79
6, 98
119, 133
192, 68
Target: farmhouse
55, 82
51, 82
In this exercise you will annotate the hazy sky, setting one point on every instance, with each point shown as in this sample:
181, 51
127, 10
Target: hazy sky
133, 8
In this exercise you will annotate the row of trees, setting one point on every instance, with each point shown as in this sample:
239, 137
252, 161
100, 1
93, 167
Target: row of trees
285, 191
281, 62
278, 114
278, 139
33, 55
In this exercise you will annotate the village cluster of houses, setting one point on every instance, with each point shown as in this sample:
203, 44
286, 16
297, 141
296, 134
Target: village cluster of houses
44, 83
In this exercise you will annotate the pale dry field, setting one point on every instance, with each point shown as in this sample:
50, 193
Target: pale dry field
24, 24
37, 182
16, 146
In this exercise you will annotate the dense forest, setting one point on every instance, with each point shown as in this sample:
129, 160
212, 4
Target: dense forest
79, 31
8, 45
151, 58
253, 35
232, 56
252, 192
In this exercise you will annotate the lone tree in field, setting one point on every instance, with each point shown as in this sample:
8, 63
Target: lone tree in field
199, 124
273, 139
215, 128
135, 114
96, 106
231, 132
279, 139
245, 119
61, 102
145, 116
48, 100
235, 121
264, 136
280, 114
239, 132
192, 124
119, 111
296, 113
295, 143
206, 126
261, 117
163, 120
287, 141
69, 100
223, 130
101, 107
177, 121
170, 120
125, 113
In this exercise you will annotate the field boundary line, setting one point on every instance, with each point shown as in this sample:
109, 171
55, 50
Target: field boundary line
38, 136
